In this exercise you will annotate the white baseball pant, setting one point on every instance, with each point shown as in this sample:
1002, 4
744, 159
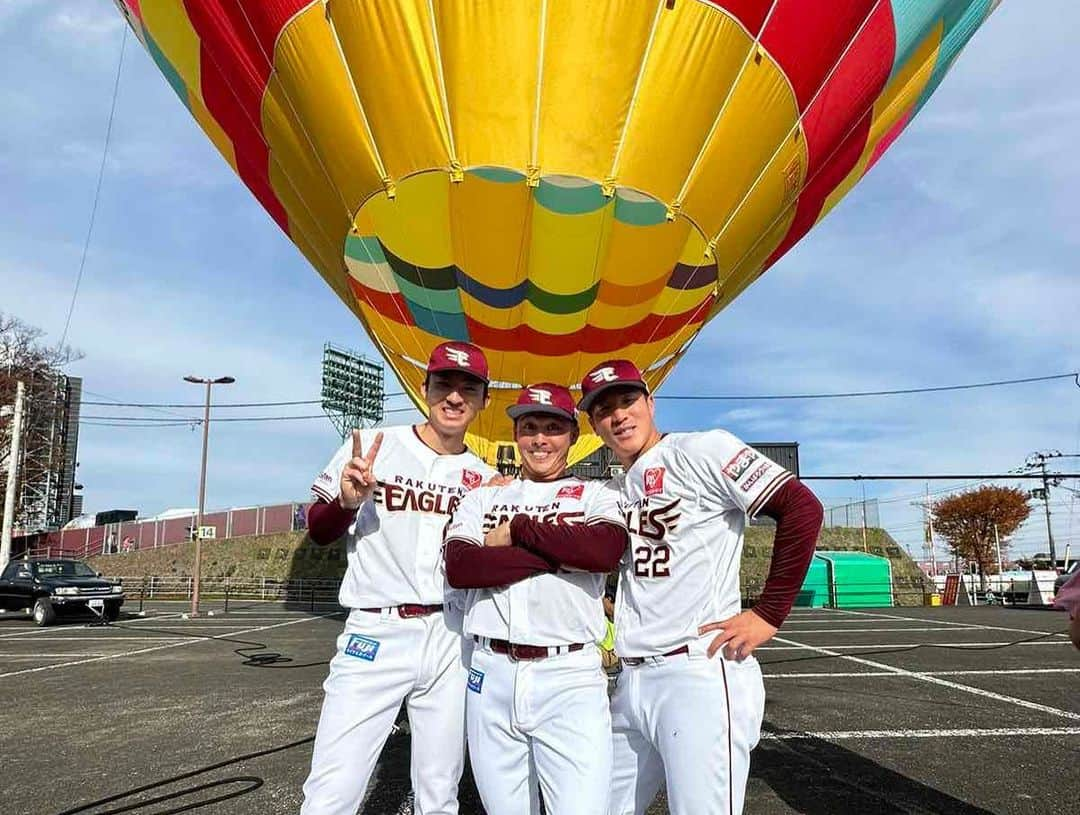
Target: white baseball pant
381, 660
690, 721
543, 724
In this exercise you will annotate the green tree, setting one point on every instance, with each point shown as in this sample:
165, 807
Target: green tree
967, 519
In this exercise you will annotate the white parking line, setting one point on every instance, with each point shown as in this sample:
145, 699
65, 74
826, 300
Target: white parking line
939, 645
43, 631
877, 630
935, 680
993, 672
190, 641
950, 622
88, 638
818, 619
967, 733
46, 656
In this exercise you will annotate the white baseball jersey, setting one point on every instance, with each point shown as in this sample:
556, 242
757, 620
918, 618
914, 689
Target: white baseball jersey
547, 609
686, 500
394, 547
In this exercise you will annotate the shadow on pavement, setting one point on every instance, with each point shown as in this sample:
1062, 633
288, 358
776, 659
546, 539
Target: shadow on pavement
818, 777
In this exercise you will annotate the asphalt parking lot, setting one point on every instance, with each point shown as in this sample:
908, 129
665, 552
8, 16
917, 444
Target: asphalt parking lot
930, 710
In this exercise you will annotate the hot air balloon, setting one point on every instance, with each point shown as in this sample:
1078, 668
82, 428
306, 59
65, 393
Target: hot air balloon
557, 181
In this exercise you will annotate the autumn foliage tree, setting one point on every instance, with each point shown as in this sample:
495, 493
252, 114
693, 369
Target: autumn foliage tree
967, 519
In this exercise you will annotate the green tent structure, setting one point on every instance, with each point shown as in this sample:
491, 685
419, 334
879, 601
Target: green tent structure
839, 579
815, 588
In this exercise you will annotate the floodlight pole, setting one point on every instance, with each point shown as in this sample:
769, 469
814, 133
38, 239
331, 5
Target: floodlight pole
12, 475
197, 570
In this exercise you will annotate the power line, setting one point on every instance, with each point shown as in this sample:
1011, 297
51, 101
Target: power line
937, 477
216, 406
154, 421
117, 403
97, 190
1075, 376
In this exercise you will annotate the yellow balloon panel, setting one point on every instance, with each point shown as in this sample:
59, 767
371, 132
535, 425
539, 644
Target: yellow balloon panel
657, 156
592, 53
760, 115
481, 209
297, 176
176, 39
390, 52
415, 224
316, 86
485, 46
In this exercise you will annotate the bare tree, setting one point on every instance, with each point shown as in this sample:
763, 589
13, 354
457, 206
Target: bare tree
24, 356
967, 519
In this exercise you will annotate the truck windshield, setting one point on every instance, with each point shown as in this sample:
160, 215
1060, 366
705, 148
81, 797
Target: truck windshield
66, 568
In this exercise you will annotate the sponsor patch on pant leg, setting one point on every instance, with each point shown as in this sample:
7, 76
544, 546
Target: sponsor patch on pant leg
476, 680
362, 647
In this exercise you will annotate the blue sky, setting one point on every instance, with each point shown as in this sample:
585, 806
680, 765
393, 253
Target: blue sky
953, 262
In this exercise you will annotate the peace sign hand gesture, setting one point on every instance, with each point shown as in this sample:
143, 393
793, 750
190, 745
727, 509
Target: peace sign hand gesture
357, 479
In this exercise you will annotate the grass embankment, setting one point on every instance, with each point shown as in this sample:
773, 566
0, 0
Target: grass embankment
290, 555
279, 556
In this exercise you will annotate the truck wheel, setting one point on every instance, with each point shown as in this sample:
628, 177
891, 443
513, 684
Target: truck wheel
112, 612
44, 613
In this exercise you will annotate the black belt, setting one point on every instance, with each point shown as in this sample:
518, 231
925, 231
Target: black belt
685, 649
517, 651
406, 610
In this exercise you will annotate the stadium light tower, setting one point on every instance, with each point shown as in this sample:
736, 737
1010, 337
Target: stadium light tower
221, 380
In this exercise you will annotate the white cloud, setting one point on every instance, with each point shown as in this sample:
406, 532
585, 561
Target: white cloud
80, 22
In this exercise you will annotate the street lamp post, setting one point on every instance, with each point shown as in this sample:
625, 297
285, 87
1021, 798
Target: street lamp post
197, 571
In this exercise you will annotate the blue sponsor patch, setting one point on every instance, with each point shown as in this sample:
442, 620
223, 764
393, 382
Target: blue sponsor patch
476, 680
362, 647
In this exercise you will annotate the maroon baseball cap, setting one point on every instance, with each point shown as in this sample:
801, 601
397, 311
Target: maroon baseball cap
545, 397
607, 375
459, 356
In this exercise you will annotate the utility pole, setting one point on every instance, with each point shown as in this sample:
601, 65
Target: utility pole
12, 474
997, 546
1037, 461
864, 546
928, 530
197, 571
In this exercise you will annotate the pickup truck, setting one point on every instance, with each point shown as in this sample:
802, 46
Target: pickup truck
48, 588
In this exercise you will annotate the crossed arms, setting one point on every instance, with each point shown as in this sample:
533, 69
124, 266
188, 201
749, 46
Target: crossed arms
534, 548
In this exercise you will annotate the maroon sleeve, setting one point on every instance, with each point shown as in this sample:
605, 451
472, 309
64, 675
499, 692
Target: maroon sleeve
798, 515
327, 522
593, 547
469, 566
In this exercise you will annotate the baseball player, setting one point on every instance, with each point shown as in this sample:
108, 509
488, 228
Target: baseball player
392, 492
688, 705
534, 554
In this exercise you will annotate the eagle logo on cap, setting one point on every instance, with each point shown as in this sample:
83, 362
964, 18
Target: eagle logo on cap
540, 396
457, 356
606, 374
